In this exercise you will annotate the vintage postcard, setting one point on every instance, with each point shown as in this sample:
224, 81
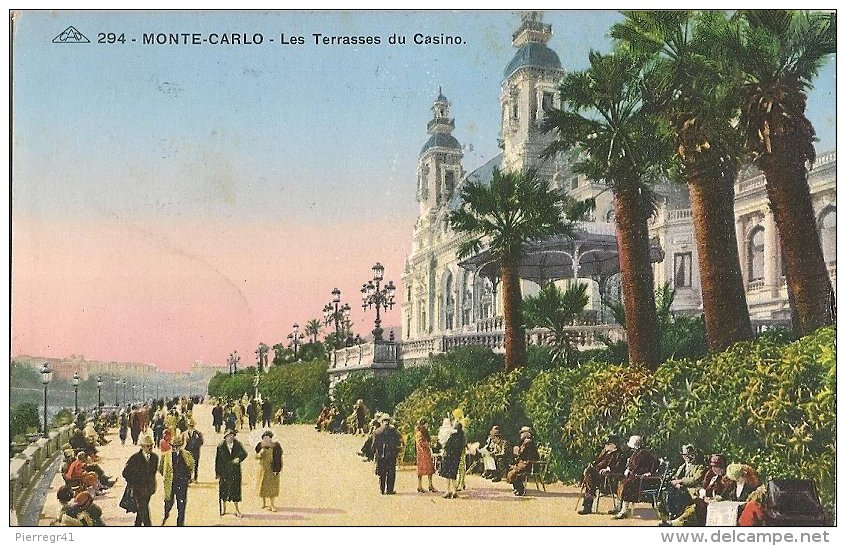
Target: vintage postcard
401, 268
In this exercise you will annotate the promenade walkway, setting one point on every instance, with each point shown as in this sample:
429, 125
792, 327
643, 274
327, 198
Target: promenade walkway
325, 483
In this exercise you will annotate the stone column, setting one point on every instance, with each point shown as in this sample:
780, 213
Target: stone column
741, 249
771, 271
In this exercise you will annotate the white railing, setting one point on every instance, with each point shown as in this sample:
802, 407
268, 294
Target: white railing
752, 184
754, 286
679, 214
366, 355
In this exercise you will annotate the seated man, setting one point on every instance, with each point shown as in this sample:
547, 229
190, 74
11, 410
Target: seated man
611, 460
642, 465
76, 473
715, 487
493, 455
79, 442
526, 453
684, 482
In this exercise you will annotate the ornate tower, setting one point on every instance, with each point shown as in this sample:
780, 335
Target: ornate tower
529, 88
439, 167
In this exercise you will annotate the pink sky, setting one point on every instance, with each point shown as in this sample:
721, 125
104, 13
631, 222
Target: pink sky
187, 290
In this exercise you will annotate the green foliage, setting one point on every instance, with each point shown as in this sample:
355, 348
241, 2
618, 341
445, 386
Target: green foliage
300, 386
24, 418
556, 310
463, 365
492, 401
63, 417
762, 403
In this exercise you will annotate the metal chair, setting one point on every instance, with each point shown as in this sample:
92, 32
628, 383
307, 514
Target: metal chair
654, 485
539, 467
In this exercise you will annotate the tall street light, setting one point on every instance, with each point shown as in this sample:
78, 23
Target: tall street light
233, 361
46, 377
143, 392
99, 393
295, 338
373, 295
134, 399
117, 384
336, 313
124, 391
75, 392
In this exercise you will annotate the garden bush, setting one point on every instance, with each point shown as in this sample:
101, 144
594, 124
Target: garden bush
24, 419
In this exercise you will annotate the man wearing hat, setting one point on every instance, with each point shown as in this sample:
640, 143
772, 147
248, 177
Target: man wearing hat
386, 441
140, 476
227, 468
641, 468
686, 478
177, 467
493, 455
193, 443
526, 454
611, 461
714, 485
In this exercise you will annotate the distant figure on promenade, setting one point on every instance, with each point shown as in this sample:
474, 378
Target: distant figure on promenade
217, 417
360, 416
140, 476
269, 454
176, 467
136, 424
252, 413
266, 413
425, 465
386, 442
193, 443
227, 468
123, 426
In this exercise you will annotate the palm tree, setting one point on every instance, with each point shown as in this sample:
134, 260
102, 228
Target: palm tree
779, 54
312, 329
261, 356
555, 310
603, 118
515, 209
698, 99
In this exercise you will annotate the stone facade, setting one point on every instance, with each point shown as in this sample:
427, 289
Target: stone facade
446, 306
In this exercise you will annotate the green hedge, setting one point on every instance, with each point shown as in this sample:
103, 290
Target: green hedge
765, 403
300, 386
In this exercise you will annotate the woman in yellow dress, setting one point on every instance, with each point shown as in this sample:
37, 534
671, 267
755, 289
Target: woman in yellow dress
269, 454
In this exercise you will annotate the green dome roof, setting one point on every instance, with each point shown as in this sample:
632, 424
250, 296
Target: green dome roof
535, 55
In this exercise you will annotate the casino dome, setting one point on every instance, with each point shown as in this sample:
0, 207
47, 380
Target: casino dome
441, 140
535, 55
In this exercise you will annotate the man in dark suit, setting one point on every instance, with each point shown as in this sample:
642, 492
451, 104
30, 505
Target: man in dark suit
193, 443
266, 411
176, 467
217, 417
140, 475
609, 464
386, 442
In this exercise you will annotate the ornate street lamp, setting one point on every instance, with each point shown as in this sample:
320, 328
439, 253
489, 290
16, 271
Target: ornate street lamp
295, 338
99, 393
133, 393
337, 314
373, 295
124, 391
46, 377
143, 392
117, 384
233, 361
75, 382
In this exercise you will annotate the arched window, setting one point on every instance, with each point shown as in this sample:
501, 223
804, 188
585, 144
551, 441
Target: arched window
467, 299
755, 252
828, 233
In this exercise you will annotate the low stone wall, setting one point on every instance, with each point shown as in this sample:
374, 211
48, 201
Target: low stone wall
26, 467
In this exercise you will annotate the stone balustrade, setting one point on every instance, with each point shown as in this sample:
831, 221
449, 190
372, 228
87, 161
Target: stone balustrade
26, 468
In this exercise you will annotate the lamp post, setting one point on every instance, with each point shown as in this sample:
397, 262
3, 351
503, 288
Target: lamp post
75, 382
143, 392
46, 377
233, 361
99, 393
373, 295
337, 314
295, 338
134, 398
256, 380
117, 384
124, 391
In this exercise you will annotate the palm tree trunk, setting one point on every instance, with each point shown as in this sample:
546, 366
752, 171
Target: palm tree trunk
636, 278
723, 295
515, 334
790, 201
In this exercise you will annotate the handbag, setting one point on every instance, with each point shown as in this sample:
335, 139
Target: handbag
127, 501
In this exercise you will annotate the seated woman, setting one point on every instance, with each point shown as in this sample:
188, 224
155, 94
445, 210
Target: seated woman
76, 472
752, 514
716, 486
79, 442
83, 509
746, 479
493, 455
65, 495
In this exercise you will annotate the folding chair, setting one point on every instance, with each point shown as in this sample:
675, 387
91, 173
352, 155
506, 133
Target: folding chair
539, 467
